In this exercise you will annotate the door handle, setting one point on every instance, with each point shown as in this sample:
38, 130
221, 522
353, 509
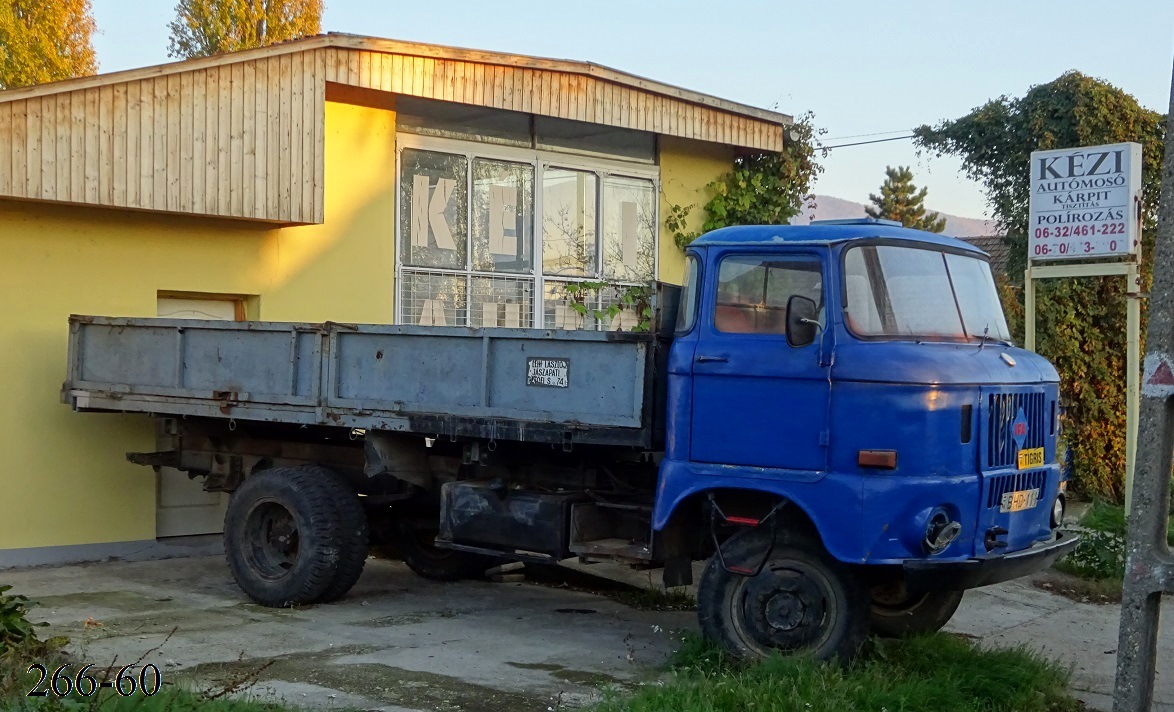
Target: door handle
713, 359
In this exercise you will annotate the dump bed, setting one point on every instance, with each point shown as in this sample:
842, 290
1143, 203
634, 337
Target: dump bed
503, 384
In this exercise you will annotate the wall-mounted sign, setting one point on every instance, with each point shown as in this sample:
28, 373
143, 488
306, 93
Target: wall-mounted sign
1083, 202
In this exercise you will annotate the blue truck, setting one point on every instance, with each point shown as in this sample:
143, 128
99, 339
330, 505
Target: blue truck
832, 417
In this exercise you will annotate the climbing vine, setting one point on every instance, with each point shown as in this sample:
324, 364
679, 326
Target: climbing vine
765, 188
636, 299
1080, 322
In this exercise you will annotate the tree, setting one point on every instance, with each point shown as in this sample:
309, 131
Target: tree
900, 200
1080, 322
45, 41
206, 27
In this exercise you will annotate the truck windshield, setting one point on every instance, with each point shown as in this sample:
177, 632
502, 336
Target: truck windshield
903, 292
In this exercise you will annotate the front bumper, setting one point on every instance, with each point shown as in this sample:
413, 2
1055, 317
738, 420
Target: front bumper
972, 573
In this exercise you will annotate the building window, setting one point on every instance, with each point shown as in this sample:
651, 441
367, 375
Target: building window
568, 222
492, 236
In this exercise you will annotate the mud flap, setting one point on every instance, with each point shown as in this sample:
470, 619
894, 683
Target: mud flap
749, 566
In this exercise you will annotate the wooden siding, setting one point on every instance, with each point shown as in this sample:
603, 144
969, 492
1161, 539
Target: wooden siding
241, 140
547, 92
242, 135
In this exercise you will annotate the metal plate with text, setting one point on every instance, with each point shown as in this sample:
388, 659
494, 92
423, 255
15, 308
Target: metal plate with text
552, 372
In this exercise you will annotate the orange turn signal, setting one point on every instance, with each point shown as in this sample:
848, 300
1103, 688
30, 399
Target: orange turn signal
879, 459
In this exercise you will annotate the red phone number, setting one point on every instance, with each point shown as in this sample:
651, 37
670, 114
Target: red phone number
1080, 230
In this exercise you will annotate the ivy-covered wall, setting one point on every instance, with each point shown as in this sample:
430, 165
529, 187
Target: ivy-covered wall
687, 170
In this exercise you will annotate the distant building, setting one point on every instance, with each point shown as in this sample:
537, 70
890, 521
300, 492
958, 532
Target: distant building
995, 246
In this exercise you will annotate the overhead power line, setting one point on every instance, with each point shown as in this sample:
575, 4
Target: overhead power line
862, 143
868, 135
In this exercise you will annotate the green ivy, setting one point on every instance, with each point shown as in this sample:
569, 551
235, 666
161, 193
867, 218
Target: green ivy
763, 188
634, 298
15, 628
1080, 322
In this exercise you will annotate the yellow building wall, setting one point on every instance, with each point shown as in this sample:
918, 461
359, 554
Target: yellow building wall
63, 476
686, 170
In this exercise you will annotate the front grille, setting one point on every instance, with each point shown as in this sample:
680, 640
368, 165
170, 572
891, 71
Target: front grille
1002, 409
1014, 482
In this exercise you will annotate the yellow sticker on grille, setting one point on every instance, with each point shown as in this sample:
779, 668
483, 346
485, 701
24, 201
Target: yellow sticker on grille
1031, 457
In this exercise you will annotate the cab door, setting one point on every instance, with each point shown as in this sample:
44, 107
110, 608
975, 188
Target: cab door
758, 401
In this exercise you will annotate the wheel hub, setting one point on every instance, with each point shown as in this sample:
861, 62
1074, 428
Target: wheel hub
785, 611
271, 533
785, 608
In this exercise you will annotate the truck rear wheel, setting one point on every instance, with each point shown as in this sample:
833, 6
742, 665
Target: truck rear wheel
282, 537
803, 601
353, 534
897, 614
415, 545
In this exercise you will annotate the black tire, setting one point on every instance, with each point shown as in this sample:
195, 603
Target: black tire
282, 537
803, 600
353, 534
895, 613
415, 547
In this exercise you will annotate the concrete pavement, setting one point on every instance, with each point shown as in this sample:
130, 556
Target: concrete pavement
398, 642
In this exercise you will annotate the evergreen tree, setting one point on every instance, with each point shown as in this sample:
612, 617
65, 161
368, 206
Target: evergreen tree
900, 200
45, 41
206, 27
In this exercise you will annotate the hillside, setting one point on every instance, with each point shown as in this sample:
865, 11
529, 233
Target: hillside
830, 208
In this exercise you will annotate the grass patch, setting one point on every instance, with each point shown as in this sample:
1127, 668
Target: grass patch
1100, 555
169, 699
927, 674
1105, 517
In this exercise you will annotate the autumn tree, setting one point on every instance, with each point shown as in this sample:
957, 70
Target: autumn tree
45, 41
206, 27
900, 200
1080, 323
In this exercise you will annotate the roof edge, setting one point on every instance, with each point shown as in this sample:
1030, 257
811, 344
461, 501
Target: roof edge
415, 49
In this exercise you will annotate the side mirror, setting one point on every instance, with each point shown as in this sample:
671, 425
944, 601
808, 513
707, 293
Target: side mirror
801, 321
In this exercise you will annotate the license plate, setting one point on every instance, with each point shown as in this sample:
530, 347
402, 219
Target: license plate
1018, 501
1031, 457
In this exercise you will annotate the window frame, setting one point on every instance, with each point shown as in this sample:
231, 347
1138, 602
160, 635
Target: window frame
540, 160
698, 287
712, 292
914, 245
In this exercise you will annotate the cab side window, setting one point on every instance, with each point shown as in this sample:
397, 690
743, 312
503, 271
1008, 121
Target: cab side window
753, 290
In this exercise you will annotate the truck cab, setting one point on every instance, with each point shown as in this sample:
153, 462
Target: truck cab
859, 377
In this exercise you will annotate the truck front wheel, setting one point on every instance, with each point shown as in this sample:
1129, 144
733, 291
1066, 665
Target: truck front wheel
803, 600
282, 537
415, 545
896, 613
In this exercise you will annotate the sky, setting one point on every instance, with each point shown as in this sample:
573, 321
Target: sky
862, 67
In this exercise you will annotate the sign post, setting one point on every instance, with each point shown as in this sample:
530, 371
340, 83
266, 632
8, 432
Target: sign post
1086, 222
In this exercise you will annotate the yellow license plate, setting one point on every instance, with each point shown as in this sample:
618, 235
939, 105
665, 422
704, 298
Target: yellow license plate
1032, 457
1019, 501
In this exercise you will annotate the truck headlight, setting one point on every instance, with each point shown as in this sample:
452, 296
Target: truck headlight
940, 532
1058, 511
